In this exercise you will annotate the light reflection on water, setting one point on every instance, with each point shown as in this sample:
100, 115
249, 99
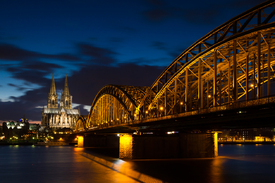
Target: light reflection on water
247, 163
235, 163
78, 149
52, 164
216, 169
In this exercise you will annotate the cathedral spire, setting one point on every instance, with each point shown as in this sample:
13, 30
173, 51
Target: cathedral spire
52, 97
53, 90
66, 87
66, 98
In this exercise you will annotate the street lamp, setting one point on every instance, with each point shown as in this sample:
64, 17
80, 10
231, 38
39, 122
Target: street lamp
161, 110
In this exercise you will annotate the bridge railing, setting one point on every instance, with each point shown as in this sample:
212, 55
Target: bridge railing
236, 105
230, 106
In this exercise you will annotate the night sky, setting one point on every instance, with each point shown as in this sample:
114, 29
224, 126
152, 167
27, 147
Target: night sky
95, 43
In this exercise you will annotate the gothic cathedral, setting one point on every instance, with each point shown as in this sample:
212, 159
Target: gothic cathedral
62, 115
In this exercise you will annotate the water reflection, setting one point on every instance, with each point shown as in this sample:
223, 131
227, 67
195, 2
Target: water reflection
53, 164
216, 168
236, 163
78, 149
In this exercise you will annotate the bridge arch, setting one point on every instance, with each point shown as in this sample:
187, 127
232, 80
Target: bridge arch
221, 67
80, 124
250, 20
115, 104
234, 63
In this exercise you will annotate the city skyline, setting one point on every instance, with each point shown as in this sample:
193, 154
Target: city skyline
95, 44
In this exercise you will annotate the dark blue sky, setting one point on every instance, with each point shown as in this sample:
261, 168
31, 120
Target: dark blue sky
95, 43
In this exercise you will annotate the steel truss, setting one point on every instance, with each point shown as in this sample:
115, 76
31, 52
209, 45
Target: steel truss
235, 62
81, 123
115, 104
221, 67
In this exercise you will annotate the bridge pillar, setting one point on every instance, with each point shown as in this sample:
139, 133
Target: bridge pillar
216, 145
126, 146
168, 146
80, 141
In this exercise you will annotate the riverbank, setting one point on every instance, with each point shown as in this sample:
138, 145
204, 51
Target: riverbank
26, 143
16, 143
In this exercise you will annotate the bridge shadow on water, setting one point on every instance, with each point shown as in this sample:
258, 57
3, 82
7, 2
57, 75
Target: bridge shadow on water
222, 169
163, 170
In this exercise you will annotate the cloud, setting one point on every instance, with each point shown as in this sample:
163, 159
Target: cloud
10, 52
96, 55
19, 88
34, 76
24, 105
13, 53
195, 12
141, 61
86, 83
243, 3
41, 66
64, 56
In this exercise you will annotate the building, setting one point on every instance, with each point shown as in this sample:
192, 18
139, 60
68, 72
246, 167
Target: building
15, 128
59, 115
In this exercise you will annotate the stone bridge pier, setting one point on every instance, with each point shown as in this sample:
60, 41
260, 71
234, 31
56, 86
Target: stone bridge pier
183, 145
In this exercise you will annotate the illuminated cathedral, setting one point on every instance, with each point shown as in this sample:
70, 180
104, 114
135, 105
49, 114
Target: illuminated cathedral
59, 115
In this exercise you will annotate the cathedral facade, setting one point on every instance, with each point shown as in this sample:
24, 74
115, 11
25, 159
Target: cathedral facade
59, 114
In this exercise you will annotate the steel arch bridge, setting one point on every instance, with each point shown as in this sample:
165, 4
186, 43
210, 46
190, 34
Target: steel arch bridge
233, 64
113, 105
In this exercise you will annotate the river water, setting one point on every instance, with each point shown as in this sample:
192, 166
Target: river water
235, 164
41, 164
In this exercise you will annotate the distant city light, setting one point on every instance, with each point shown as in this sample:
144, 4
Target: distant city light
171, 132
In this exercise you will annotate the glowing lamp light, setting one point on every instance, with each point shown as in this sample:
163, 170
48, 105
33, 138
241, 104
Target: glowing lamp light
161, 108
146, 112
252, 85
181, 103
80, 142
209, 96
